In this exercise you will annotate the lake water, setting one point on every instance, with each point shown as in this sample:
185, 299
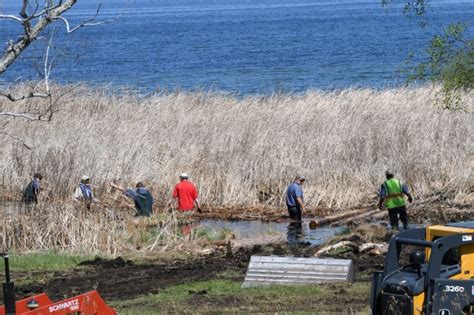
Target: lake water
239, 46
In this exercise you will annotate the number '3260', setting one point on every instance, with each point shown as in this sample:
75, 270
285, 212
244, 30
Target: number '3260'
453, 288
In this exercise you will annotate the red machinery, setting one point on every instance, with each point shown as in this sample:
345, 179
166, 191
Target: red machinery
89, 303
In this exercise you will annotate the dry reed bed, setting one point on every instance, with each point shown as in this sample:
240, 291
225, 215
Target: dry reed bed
239, 152
65, 227
244, 152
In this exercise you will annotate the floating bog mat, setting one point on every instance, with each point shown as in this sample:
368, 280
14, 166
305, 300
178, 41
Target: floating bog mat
273, 270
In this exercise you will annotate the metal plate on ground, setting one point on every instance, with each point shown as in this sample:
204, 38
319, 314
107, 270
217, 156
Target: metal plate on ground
274, 270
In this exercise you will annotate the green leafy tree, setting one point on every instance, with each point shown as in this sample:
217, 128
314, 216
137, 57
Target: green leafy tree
448, 59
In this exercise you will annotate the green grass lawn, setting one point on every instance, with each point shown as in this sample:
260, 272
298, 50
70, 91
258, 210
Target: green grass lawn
38, 268
226, 296
46, 261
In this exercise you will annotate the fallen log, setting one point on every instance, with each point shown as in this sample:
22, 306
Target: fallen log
348, 221
344, 244
374, 248
381, 215
338, 217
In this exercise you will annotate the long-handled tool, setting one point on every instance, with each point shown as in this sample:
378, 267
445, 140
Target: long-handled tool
8, 288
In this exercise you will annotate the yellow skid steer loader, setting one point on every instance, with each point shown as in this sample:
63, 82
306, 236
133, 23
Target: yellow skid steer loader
438, 277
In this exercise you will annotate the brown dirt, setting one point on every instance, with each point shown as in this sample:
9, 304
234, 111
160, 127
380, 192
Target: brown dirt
119, 279
122, 280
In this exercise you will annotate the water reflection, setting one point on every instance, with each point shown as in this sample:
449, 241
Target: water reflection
187, 228
295, 235
292, 231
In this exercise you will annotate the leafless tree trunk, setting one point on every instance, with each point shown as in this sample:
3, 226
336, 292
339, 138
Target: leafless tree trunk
33, 22
34, 18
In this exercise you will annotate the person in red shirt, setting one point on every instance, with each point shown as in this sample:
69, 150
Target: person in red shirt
186, 195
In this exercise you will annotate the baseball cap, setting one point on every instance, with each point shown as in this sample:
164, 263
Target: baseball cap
85, 177
183, 175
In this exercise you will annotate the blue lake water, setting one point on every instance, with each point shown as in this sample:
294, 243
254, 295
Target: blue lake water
239, 46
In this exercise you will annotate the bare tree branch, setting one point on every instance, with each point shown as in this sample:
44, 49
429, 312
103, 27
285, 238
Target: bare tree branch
82, 24
12, 98
51, 12
23, 9
12, 114
29, 147
11, 17
89, 22
34, 19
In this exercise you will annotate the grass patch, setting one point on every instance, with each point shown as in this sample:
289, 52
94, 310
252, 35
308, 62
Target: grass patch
205, 233
44, 261
226, 296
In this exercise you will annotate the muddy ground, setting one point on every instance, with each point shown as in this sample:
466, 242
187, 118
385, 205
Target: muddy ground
119, 279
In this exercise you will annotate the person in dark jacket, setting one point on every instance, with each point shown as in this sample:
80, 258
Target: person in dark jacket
32, 190
84, 192
142, 197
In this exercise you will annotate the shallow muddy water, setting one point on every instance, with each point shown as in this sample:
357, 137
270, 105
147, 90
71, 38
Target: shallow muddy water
294, 232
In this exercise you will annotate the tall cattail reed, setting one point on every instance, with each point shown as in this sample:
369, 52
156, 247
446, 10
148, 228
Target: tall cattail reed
245, 151
69, 227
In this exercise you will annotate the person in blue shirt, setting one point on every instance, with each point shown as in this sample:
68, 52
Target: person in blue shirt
84, 192
295, 199
32, 190
142, 197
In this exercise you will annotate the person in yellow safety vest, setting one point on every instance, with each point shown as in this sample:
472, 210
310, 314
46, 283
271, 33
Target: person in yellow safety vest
393, 193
